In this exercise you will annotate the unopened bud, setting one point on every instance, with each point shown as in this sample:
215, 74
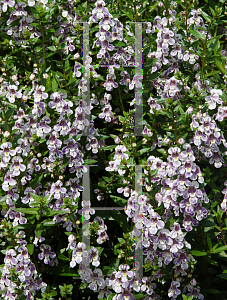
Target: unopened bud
181, 141
45, 76
76, 56
39, 154
32, 76
14, 77
6, 134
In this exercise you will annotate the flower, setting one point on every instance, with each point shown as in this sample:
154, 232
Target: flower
16, 166
46, 254
119, 153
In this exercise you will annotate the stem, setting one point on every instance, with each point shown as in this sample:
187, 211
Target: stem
174, 126
119, 91
40, 78
63, 67
135, 10
222, 236
7, 125
74, 222
204, 50
43, 46
186, 18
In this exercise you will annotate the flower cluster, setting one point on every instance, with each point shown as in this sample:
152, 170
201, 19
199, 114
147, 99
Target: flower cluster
19, 275
208, 137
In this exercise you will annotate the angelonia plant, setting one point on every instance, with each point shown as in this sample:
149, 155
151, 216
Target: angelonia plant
173, 212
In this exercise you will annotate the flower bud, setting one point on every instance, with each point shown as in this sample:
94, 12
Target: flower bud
6, 134
35, 65
181, 141
14, 77
76, 56
39, 154
45, 76
32, 76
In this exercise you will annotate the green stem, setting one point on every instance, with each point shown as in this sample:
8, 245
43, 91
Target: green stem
135, 10
119, 91
222, 236
174, 126
40, 78
63, 67
43, 46
204, 50
186, 18
7, 125
74, 221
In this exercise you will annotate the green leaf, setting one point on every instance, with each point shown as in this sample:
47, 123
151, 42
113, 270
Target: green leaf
48, 223
139, 296
198, 253
206, 16
9, 112
223, 276
73, 79
31, 211
209, 243
221, 66
122, 220
212, 44
120, 44
153, 76
119, 201
49, 212
36, 197
107, 270
186, 298
197, 34
206, 223
30, 248
142, 151
63, 257
220, 249
38, 230
128, 14
111, 147
212, 291
35, 182
54, 85
90, 161
52, 48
